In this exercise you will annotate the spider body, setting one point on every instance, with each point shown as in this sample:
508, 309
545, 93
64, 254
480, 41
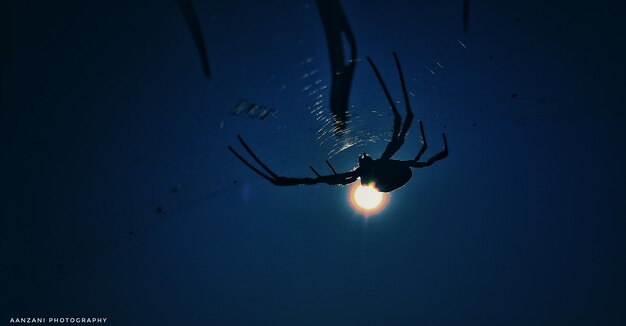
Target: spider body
385, 173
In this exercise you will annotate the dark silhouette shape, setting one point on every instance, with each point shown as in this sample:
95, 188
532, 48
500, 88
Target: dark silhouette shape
385, 173
466, 9
335, 24
191, 18
514, 95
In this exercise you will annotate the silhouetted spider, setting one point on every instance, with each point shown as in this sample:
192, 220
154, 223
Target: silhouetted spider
386, 174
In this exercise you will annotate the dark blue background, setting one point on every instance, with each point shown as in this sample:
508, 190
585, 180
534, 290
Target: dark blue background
105, 110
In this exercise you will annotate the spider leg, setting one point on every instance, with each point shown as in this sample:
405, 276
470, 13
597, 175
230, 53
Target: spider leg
397, 119
439, 156
244, 161
408, 119
269, 175
331, 167
312, 169
399, 135
424, 143
268, 170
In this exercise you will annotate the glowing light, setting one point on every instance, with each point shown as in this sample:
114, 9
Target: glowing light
367, 197
367, 200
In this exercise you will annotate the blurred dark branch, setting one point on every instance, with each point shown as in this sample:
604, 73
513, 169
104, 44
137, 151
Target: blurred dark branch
335, 25
191, 18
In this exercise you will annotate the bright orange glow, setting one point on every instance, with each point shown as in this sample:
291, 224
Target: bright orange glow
367, 200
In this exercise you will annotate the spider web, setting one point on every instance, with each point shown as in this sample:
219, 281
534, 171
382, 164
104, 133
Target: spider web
191, 177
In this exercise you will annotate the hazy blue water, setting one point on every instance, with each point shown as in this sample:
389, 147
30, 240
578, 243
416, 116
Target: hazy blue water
105, 110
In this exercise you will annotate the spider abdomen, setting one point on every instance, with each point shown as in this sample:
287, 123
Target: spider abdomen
388, 175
